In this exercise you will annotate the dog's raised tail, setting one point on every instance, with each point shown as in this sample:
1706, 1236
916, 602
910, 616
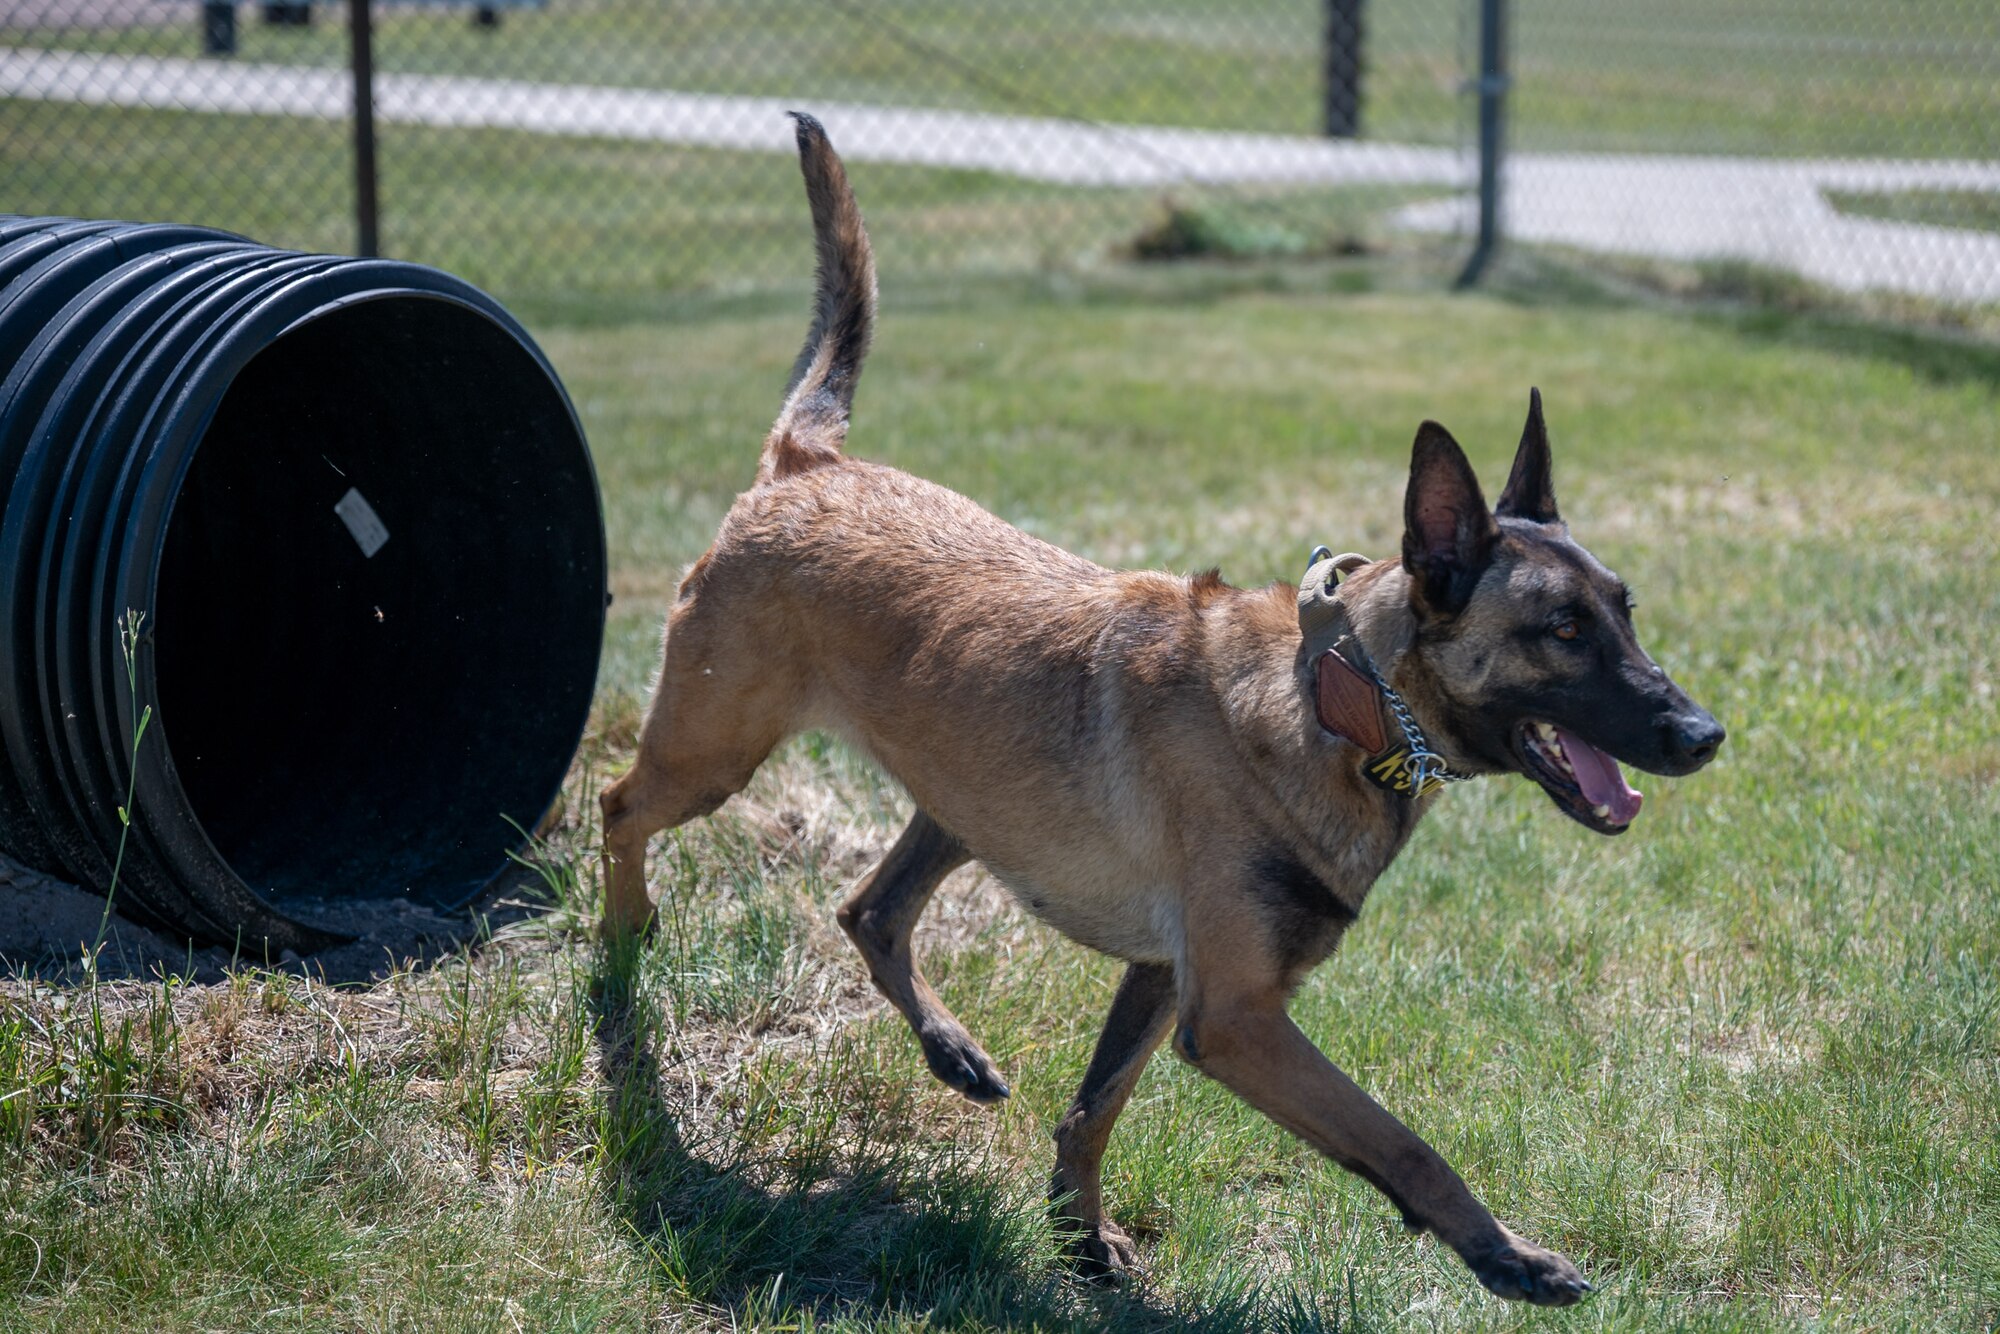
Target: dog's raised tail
812, 426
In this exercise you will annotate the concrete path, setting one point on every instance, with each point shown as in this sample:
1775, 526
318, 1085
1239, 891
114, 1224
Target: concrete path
1768, 211
1772, 212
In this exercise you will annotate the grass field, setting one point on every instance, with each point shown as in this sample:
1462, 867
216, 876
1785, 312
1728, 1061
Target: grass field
1940, 208
1784, 77
1743, 1064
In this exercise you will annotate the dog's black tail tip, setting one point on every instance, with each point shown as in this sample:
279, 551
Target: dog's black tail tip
809, 128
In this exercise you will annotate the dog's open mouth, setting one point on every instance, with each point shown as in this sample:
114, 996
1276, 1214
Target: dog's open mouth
1581, 779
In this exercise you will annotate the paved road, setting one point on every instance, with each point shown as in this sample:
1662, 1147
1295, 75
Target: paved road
1769, 211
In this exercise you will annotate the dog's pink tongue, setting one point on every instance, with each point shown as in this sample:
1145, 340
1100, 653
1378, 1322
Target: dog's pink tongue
1599, 776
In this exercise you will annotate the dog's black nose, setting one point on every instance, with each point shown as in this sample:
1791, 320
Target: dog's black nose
1692, 739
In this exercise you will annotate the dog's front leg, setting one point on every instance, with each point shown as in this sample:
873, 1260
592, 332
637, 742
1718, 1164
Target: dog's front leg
1247, 1041
628, 827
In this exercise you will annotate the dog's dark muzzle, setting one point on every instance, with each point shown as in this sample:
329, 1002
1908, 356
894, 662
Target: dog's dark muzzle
1688, 740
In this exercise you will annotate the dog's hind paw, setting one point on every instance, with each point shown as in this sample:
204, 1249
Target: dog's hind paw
957, 1060
1104, 1253
1521, 1271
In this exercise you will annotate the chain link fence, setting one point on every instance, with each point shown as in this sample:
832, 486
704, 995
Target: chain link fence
1760, 145
605, 152
613, 149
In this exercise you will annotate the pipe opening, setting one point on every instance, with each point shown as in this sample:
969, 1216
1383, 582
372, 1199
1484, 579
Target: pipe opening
379, 605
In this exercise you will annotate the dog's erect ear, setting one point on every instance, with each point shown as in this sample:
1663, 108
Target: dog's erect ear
1531, 492
1448, 532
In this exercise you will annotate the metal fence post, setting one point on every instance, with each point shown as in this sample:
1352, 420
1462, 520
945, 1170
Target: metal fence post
1342, 111
361, 47
218, 27
1492, 88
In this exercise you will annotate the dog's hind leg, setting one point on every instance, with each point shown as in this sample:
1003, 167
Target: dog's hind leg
1140, 1016
879, 919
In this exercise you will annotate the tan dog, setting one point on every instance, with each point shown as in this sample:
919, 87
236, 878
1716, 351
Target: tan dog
1201, 780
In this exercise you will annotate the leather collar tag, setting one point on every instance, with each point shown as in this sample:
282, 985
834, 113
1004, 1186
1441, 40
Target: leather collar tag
1349, 704
1391, 773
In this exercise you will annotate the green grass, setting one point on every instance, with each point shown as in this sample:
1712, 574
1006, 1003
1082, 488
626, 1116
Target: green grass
1968, 209
1743, 1063
1767, 78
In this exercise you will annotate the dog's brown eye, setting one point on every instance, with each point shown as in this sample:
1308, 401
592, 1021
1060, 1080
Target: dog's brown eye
1565, 630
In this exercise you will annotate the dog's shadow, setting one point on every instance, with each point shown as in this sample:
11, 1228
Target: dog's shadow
859, 1243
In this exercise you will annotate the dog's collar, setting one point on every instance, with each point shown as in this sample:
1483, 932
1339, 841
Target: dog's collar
1349, 692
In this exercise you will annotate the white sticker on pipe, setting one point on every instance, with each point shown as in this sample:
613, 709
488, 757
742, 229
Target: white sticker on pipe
362, 521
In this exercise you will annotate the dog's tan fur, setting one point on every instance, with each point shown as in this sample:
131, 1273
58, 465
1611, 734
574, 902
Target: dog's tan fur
1133, 754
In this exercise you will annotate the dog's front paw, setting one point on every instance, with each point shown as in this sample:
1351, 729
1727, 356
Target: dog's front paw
1521, 1271
1103, 1252
957, 1060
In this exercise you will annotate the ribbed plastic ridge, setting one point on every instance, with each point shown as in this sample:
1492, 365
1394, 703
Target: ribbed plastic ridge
352, 512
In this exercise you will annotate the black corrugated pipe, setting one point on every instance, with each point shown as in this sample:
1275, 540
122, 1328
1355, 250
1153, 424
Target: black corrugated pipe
354, 508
